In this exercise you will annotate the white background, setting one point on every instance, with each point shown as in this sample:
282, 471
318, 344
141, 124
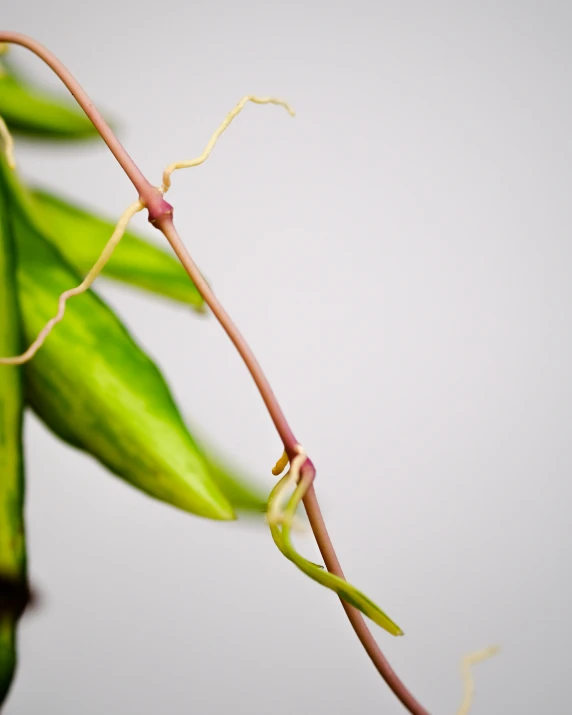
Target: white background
399, 258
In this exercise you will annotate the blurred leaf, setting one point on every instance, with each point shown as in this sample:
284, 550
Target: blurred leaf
80, 237
33, 112
93, 386
7, 654
238, 488
13, 581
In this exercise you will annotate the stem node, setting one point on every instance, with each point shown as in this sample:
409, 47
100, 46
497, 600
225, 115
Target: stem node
161, 216
159, 209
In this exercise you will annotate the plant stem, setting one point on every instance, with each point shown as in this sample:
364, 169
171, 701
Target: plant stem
356, 619
148, 194
310, 499
167, 227
313, 510
161, 216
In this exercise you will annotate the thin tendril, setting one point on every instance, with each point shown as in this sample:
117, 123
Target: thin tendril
122, 223
467, 675
78, 290
276, 511
280, 465
160, 214
215, 137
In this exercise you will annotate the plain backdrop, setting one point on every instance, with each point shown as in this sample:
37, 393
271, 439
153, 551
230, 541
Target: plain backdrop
399, 257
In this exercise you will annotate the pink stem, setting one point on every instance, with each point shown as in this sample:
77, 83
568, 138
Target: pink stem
313, 511
167, 227
148, 194
161, 215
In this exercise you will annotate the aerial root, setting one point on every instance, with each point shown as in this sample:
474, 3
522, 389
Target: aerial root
275, 514
280, 465
215, 137
81, 288
467, 675
122, 225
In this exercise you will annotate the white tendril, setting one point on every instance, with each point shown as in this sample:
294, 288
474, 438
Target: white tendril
81, 288
215, 137
467, 675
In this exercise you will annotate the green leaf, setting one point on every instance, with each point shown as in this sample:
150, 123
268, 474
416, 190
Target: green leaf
92, 384
7, 654
244, 496
12, 538
281, 533
33, 112
80, 237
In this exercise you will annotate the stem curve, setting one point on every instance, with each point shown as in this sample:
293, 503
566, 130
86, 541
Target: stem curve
161, 215
310, 500
148, 194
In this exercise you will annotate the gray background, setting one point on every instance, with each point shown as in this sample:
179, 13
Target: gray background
399, 257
